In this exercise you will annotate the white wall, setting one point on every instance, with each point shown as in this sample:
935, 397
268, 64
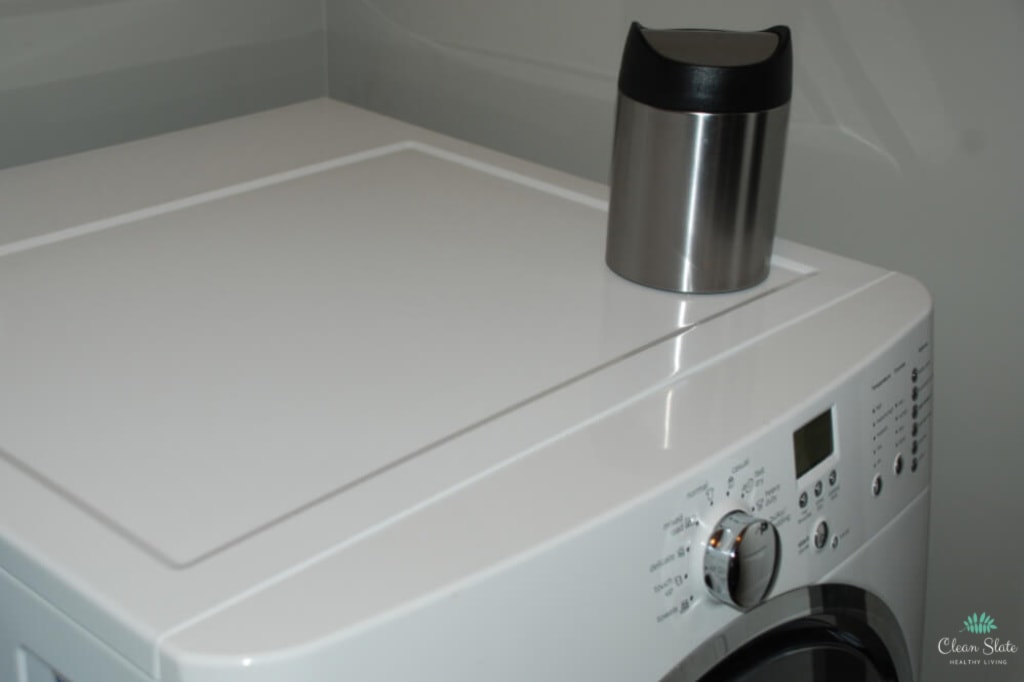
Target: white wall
77, 74
906, 150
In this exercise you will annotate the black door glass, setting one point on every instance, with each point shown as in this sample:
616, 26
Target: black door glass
806, 652
806, 665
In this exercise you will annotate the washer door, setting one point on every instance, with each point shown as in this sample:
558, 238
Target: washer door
821, 633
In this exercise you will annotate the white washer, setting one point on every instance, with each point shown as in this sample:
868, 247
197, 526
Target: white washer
317, 395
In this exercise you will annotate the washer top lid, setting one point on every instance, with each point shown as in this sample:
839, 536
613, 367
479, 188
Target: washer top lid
198, 372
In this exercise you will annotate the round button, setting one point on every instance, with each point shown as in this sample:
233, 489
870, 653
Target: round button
835, 542
897, 465
803, 499
821, 534
876, 485
817, 489
913, 464
833, 476
913, 447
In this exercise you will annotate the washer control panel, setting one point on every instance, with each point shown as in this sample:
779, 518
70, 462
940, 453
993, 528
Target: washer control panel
788, 507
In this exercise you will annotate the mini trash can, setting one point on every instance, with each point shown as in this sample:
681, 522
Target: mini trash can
700, 134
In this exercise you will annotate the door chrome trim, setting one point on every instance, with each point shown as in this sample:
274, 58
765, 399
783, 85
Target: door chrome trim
839, 607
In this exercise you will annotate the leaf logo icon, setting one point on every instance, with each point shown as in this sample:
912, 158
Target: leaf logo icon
980, 625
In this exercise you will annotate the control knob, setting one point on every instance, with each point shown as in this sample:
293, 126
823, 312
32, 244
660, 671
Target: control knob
741, 559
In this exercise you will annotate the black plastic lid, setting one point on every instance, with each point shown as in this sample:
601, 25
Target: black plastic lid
708, 71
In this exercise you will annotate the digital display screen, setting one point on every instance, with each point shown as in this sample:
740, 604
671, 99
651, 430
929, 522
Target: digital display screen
813, 442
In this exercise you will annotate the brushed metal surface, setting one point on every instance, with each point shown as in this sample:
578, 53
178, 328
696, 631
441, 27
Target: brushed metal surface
694, 196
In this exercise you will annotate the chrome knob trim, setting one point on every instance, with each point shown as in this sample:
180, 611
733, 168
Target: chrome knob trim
741, 559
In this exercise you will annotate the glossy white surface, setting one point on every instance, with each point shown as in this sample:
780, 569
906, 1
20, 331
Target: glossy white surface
302, 337
146, 595
197, 389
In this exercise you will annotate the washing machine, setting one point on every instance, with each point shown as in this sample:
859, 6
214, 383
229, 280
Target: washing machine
317, 395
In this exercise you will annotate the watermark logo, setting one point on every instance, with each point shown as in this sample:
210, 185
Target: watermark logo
979, 625
975, 648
